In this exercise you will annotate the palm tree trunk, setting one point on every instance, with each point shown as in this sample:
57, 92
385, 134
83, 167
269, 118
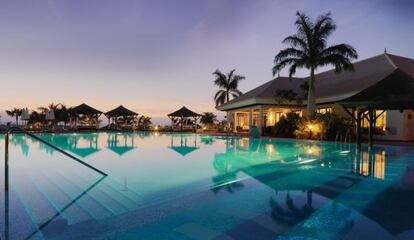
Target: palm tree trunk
311, 96
17, 120
227, 95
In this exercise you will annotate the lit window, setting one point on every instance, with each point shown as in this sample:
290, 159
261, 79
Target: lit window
273, 117
298, 112
380, 123
324, 110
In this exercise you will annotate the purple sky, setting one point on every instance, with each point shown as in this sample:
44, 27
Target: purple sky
154, 56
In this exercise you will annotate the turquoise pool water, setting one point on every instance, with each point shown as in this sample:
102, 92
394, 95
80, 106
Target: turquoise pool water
187, 186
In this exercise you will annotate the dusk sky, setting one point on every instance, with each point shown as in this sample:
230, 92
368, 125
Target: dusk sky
155, 56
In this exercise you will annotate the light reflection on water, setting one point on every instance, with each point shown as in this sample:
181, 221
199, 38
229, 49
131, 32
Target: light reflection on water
296, 180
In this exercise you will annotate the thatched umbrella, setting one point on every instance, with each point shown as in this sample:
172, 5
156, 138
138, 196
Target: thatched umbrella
85, 110
120, 111
183, 114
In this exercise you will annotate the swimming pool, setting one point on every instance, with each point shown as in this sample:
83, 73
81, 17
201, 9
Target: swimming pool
188, 186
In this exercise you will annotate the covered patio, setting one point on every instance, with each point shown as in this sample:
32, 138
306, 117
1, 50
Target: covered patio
395, 92
185, 119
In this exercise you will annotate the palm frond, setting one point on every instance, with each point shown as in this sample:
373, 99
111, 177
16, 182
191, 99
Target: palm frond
324, 26
220, 98
338, 61
235, 93
296, 41
288, 53
340, 49
218, 93
298, 64
220, 80
304, 27
234, 82
230, 76
10, 113
283, 63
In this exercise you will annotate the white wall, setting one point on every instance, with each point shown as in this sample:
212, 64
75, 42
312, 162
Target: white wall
394, 123
408, 124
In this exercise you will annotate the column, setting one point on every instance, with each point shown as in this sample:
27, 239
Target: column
358, 128
235, 121
250, 117
230, 120
261, 120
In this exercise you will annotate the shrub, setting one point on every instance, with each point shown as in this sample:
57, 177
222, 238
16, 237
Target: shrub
268, 131
334, 124
309, 129
286, 126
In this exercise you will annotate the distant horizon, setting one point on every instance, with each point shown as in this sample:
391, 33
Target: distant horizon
157, 56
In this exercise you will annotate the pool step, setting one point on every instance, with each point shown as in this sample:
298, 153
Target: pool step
42, 190
40, 211
101, 199
73, 212
39, 208
21, 225
52, 190
109, 198
94, 207
127, 197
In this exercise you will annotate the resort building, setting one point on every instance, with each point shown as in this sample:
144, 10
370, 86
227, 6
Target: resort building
260, 106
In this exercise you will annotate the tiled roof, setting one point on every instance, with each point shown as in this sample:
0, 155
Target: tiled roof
332, 87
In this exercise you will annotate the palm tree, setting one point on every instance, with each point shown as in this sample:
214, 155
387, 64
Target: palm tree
308, 49
208, 118
62, 113
144, 122
227, 86
15, 112
36, 117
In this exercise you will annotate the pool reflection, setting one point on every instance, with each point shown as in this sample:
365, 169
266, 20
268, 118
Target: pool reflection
293, 188
120, 143
184, 144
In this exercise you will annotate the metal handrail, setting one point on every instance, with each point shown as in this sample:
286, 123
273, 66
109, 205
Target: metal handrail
6, 157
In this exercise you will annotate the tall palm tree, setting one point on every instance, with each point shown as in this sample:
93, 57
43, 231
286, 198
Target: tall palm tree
228, 85
15, 112
308, 49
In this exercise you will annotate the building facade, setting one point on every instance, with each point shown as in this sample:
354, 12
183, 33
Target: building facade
261, 107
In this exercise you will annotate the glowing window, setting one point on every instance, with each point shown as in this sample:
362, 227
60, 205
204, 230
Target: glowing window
380, 123
324, 110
